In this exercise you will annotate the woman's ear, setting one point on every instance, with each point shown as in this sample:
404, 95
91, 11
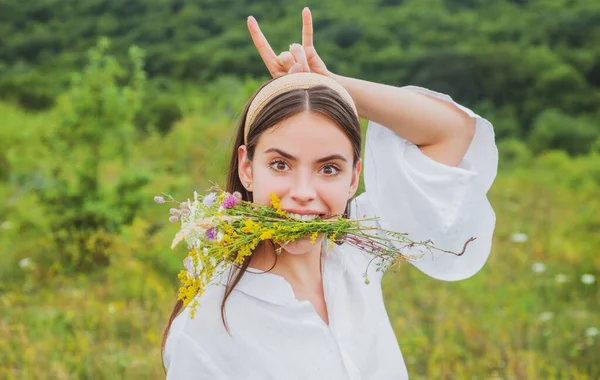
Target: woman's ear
355, 179
244, 167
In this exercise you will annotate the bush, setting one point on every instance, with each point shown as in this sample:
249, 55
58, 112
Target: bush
555, 130
94, 133
513, 153
159, 113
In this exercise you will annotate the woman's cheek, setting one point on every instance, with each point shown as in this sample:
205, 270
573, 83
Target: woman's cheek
266, 183
336, 197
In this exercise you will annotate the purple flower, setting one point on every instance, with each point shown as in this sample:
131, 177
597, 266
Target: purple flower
209, 199
238, 195
210, 233
189, 266
159, 199
229, 202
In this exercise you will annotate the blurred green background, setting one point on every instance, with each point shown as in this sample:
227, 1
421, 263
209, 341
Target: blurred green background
107, 103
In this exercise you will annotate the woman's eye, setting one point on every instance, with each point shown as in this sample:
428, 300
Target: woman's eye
279, 166
330, 170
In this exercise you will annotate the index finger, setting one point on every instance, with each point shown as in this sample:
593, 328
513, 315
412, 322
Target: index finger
264, 49
307, 28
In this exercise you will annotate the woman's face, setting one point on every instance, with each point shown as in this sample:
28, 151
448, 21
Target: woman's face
306, 160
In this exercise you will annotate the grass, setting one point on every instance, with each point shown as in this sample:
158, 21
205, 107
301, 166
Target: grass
527, 314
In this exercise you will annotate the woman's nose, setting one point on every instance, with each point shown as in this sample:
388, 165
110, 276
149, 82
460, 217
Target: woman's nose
303, 189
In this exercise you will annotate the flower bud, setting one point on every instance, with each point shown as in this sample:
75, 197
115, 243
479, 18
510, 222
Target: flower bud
173, 219
159, 199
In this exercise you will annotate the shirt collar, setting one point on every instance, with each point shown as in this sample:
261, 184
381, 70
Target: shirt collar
275, 289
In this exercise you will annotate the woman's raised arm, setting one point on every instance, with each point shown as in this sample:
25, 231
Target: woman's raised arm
440, 129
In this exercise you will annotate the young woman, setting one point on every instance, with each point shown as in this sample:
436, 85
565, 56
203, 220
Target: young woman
307, 312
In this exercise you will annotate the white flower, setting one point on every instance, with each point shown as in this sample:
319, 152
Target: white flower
5, 225
538, 267
518, 237
112, 309
561, 278
592, 332
588, 279
546, 316
25, 263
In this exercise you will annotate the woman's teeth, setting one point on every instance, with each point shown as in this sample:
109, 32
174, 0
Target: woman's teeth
304, 218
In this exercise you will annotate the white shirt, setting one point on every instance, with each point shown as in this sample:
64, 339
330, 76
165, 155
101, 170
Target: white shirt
274, 336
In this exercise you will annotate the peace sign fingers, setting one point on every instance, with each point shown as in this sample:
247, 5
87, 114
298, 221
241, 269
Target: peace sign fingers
307, 28
264, 49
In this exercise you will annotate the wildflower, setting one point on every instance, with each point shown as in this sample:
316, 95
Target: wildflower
229, 202
546, 316
588, 279
266, 235
518, 237
561, 278
25, 263
159, 199
111, 308
224, 230
189, 265
592, 332
250, 227
211, 233
209, 199
192, 269
276, 203
538, 267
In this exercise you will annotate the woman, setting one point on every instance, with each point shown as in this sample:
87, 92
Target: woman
307, 312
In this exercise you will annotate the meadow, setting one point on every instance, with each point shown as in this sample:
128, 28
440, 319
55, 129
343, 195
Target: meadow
532, 312
87, 279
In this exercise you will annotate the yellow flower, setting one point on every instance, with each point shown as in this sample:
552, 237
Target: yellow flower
250, 227
313, 237
267, 234
276, 203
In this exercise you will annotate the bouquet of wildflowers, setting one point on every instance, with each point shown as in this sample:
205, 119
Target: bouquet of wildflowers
221, 229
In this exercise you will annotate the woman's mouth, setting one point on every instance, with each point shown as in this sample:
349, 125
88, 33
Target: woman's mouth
304, 217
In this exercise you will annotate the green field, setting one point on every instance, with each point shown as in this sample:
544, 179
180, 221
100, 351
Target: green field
87, 280
532, 312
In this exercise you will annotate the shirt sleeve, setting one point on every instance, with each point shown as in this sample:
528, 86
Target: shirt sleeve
413, 193
184, 359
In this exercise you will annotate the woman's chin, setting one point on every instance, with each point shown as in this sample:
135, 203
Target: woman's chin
302, 246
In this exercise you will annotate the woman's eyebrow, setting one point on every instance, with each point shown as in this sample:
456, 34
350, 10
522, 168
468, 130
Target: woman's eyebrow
282, 153
320, 160
332, 157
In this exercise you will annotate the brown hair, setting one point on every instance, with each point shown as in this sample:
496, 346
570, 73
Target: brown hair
319, 99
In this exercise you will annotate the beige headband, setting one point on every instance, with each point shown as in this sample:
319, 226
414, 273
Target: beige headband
291, 82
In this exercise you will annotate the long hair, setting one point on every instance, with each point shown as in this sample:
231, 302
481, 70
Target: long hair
318, 99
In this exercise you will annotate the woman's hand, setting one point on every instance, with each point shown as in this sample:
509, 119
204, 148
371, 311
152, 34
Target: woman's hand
300, 58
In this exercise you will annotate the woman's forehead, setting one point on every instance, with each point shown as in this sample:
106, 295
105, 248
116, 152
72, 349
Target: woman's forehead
306, 135
311, 131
